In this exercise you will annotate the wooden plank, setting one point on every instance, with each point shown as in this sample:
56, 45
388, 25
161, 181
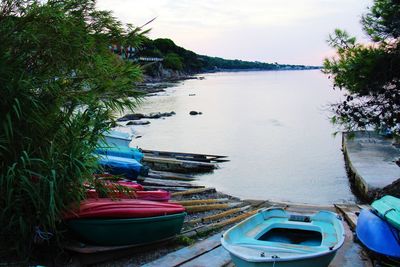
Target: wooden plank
185, 163
172, 183
219, 215
170, 176
167, 188
194, 191
217, 257
186, 254
158, 152
350, 213
201, 201
234, 220
201, 208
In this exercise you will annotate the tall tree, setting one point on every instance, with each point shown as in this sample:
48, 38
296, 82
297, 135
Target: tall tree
370, 72
59, 88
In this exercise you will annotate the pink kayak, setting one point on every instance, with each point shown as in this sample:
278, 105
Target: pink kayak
124, 208
158, 195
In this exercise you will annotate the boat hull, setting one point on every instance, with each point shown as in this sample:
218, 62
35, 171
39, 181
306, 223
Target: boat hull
274, 237
128, 167
131, 231
321, 261
121, 151
377, 235
388, 208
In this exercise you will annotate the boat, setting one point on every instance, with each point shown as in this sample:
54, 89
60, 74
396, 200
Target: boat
121, 151
128, 167
126, 222
116, 138
123, 208
377, 234
388, 208
275, 237
154, 195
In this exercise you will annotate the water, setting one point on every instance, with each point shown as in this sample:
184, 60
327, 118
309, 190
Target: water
274, 127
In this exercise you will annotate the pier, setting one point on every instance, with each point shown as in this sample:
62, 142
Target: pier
371, 162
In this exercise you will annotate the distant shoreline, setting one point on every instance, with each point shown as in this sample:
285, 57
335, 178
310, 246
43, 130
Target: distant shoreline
175, 76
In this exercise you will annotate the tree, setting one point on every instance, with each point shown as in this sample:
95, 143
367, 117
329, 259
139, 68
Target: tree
59, 88
370, 72
173, 61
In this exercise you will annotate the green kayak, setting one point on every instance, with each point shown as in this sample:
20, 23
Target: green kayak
388, 208
131, 231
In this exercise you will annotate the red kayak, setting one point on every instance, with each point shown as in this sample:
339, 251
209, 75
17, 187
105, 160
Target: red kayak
124, 208
158, 195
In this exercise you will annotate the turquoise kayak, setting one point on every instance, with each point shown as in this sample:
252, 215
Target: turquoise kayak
388, 208
274, 237
121, 151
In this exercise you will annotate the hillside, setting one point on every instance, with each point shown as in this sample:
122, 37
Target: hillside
179, 59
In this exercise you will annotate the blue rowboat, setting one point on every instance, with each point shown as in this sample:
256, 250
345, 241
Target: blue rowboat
274, 237
388, 208
377, 234
127, 167
121, 151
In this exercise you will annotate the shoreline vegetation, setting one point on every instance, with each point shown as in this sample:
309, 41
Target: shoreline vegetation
170, 62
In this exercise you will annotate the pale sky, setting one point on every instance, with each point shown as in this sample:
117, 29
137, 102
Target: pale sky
283, 31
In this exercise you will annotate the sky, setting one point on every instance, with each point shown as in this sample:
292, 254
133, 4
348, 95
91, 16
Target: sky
283, 31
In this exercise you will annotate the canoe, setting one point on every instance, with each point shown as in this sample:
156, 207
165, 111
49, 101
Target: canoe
128, 231
121, 151
274, 237
124, 208
388, 208
155, 195
129, 168
116, 138
378, 235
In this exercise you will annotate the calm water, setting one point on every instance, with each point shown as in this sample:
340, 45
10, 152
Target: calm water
273, 126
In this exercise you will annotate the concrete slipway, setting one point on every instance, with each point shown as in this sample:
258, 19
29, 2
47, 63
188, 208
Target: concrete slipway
371, 160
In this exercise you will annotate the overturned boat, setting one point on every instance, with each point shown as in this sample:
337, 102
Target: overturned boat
274, 237
106, 222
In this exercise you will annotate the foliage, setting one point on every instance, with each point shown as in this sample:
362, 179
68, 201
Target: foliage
59, 88
192, 62
173, 61
369, 72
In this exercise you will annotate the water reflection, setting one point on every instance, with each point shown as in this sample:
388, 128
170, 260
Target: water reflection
272, 125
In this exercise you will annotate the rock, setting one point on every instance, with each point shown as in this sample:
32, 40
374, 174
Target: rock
131, 117
138, 116
158, 115
138, 123
195, 112
153, 115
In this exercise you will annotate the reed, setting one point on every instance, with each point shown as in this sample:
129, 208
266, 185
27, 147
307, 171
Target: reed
59, 88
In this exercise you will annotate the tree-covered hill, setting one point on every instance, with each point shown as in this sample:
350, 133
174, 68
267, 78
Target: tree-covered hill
178, 58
